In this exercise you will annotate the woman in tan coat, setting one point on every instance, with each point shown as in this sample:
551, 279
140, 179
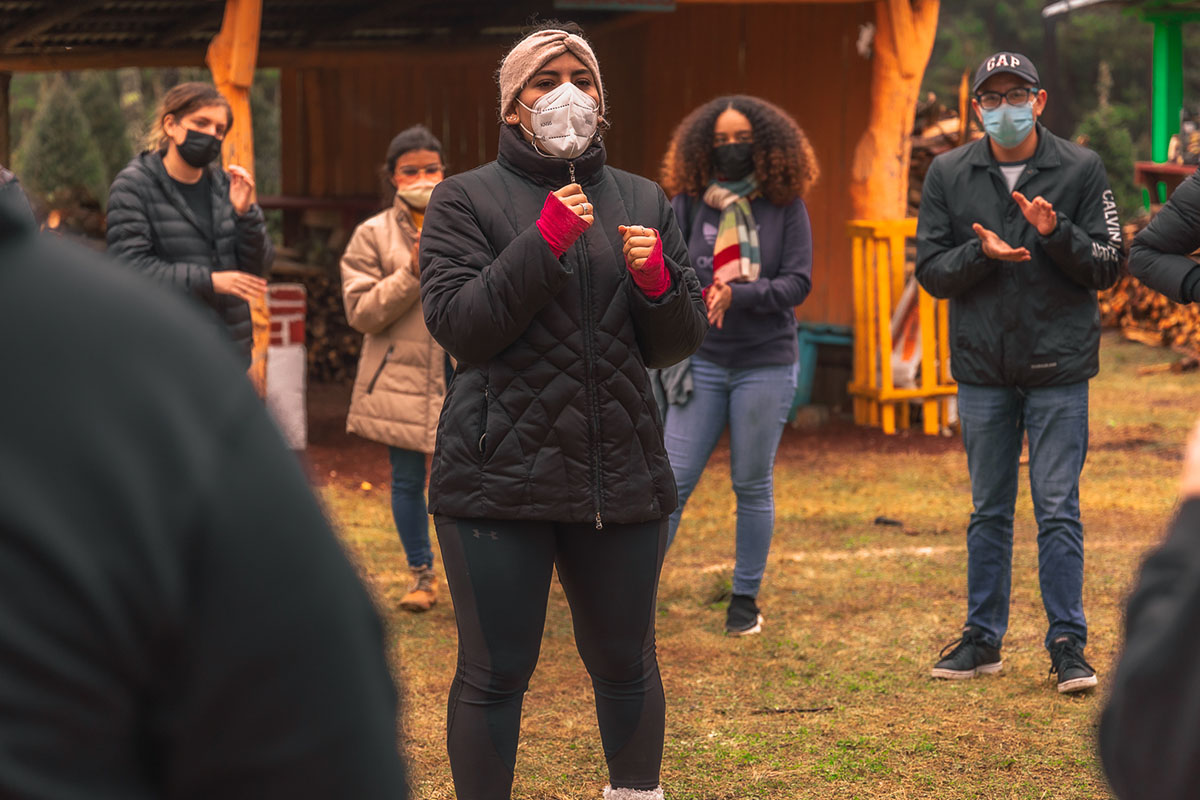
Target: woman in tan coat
402, 372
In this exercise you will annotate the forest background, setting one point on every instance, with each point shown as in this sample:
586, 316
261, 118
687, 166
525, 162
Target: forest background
72, 132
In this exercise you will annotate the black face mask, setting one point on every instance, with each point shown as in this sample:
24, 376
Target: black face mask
734, 161
199, 149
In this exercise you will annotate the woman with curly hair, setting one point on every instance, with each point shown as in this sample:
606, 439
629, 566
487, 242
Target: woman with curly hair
738, 168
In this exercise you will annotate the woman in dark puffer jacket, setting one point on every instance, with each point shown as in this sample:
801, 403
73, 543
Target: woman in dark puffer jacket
180, 219
555, 281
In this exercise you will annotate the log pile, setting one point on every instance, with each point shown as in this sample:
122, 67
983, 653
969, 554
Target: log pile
333, 346
1146, 316
1143, 315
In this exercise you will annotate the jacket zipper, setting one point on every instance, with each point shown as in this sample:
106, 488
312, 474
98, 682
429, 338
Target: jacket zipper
379, 369
571, 170
589, 366
483, 420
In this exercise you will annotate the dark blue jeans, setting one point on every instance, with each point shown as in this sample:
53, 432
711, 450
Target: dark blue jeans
408, 505
994, 420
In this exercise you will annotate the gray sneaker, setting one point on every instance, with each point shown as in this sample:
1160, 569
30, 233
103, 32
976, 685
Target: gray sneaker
967, 657
1066, 660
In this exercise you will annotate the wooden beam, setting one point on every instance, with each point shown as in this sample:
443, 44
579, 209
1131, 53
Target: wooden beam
369, 16
5, 144
45, 21
210, 14
905, 31
87, 58
232, 57
765, 2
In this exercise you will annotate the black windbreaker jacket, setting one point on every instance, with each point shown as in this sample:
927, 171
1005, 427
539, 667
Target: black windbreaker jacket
151, 227
551, 415
1031, 323
1159, 255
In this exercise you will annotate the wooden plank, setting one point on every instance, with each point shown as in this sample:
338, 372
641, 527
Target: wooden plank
39, 23
5, 143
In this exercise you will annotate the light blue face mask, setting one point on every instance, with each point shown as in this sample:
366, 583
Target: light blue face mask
1008, 125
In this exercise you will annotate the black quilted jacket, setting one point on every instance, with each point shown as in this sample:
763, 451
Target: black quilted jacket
151, 227
551, 415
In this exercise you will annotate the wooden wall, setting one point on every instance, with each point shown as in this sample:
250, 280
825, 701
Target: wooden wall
337, 120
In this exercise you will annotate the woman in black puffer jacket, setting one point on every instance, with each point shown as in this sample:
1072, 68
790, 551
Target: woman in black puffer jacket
554, 281
182, 220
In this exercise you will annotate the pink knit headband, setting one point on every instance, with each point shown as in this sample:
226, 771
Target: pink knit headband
532, 53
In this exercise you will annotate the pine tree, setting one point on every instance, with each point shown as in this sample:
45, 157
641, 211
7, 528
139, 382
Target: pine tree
101, 104
58, 156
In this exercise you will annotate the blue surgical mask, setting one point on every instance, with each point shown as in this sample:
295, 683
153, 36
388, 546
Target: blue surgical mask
1008, 125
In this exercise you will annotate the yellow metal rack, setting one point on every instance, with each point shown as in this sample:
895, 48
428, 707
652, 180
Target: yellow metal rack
878, 261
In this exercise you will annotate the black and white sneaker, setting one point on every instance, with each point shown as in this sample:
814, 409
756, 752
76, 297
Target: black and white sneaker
1066, 660
967, 657
743, 617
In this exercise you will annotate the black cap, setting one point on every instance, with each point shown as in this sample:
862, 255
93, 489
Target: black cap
1013, 63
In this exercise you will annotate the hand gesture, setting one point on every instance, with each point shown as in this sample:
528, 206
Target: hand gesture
241, 189
239, 284
414, 258
997, 248
639, 244
1039, 212
573, 198
717, 298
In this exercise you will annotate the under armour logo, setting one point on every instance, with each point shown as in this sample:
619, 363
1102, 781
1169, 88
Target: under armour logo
480, 534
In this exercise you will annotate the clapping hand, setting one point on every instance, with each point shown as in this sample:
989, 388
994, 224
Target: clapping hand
997, 248
1039, 212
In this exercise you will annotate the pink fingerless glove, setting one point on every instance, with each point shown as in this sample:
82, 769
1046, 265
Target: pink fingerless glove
559, 225
653, 278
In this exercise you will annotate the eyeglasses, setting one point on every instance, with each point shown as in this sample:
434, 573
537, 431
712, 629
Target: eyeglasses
1014, 97
430, 171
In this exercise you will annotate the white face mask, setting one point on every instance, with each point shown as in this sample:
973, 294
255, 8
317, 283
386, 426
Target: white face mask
564, 121
416, 195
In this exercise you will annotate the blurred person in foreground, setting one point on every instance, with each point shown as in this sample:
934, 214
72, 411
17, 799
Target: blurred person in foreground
1019, 229
177, 217
177, 620
402, 372
1150, 728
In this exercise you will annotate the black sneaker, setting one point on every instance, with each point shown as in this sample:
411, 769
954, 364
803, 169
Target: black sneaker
1066, 660
968, 657
743, 617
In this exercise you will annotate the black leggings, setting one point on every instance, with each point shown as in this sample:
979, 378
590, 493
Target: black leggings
499, 576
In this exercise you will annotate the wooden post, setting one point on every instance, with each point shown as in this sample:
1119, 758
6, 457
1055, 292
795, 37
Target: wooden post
232, 55
5, 144
904, 33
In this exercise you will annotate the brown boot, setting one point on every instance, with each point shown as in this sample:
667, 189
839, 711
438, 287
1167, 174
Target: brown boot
422, 595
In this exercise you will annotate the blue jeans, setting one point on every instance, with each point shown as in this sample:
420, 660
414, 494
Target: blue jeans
408, 505
994, 419
754, 402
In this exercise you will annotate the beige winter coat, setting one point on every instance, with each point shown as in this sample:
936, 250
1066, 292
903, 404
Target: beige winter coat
401, 379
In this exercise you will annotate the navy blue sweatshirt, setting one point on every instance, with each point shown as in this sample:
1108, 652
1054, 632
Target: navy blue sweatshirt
760, 325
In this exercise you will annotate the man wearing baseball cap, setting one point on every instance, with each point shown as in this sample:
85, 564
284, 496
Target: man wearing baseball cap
1019, 229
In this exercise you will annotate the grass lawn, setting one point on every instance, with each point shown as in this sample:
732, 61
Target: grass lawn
834, 698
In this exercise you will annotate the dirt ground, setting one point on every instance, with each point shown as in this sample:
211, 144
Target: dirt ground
337, 458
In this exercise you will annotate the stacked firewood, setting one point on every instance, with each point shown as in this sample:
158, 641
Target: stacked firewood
333, 346
1146, 316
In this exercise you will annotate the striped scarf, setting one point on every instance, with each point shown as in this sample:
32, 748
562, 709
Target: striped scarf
735, 254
